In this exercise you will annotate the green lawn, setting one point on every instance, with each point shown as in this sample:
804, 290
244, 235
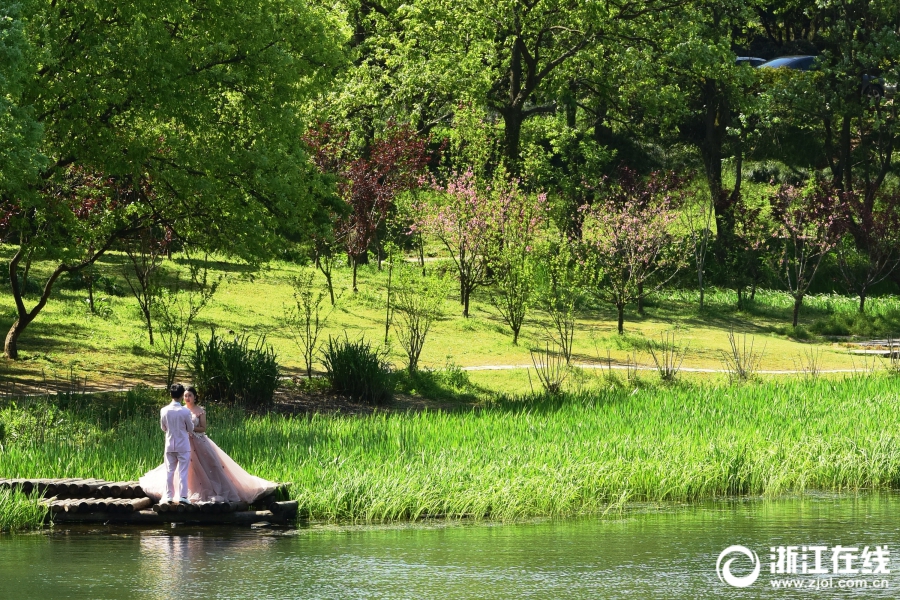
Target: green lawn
111, 348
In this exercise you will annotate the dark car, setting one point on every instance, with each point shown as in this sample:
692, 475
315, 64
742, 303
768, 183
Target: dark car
798, 63
871, 86
751, 61
877, 87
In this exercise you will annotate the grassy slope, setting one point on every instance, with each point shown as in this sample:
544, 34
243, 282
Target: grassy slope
113, 348
515, 458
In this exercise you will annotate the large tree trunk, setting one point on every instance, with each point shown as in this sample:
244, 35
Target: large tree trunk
862, 302
715, 124
11, 346
512, 121
24, 317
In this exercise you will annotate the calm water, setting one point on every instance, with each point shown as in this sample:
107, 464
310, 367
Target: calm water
667, 553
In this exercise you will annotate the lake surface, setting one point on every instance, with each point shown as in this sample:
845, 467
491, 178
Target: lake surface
645, 553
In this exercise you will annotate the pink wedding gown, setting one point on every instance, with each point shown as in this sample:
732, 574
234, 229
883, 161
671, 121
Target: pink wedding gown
212, 476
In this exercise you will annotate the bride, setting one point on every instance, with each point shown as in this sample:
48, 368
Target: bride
212, 476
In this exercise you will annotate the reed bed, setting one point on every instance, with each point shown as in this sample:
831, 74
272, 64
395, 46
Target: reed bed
525, 457
18, 511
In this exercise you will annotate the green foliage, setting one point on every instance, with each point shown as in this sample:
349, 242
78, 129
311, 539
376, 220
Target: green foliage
20, 133
856, 323
234, 372
357, 369
125, 151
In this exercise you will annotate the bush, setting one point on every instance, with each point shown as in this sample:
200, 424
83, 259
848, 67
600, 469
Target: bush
232, 371
358, 369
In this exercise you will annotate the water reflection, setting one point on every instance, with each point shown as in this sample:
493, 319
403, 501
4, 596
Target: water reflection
179, 563
654, 554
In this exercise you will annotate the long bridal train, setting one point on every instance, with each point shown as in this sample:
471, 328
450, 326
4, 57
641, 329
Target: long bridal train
212, 477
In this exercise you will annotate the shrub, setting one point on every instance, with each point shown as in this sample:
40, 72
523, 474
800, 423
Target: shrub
232, 371
357, 369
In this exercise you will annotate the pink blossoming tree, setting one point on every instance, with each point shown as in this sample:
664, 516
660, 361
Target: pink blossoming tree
630, 247
519, 218
808, 224
462, 218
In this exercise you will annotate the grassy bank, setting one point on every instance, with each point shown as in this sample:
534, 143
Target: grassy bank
514, 458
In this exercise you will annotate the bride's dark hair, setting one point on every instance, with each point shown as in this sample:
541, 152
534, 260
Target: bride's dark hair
192, 390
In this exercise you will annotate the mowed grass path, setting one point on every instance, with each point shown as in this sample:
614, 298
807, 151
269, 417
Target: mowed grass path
521, 458
112, 347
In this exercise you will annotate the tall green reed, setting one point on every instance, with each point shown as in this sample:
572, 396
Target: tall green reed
534, 456
18, 511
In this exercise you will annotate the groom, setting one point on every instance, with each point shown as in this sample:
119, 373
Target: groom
176, 421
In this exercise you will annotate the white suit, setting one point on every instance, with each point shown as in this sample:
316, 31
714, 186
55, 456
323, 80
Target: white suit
176, 421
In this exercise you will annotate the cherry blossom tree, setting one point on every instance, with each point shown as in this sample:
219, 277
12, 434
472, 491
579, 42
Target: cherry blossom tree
629, 246
462, 218
809, 221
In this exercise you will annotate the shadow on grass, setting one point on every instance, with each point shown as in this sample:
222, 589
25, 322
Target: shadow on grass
447, 385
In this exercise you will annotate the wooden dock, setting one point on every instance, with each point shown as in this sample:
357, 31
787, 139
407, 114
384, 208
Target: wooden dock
100, 501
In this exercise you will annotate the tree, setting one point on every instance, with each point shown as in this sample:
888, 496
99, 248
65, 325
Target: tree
520, 217
878, 234
20, 135
369, 182
462, 217
305, 320
178, 306
418, 304
559, 291
226, 168
809, 220
143, 277
514, 59
748, 249
700, 228
839, 111
629, 239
